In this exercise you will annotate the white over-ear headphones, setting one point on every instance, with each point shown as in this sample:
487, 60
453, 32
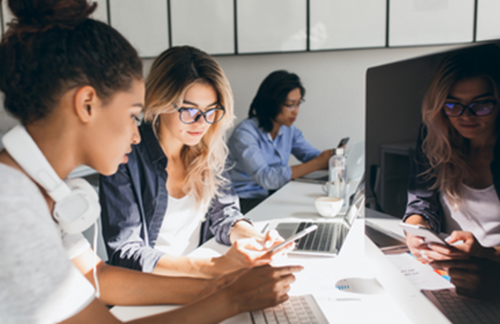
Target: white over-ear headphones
76, 203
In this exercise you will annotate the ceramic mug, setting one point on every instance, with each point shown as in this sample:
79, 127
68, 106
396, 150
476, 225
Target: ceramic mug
328, 206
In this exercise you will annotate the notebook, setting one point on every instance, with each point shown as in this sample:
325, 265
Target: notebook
328, 239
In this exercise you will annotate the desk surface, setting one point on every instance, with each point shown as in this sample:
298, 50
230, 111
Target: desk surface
397, 302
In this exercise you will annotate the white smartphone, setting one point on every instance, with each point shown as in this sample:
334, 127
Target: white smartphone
428, 235
293, 238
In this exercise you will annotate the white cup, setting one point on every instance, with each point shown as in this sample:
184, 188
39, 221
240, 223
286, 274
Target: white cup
328, 206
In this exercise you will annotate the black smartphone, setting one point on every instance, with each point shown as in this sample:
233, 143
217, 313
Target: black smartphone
343, 142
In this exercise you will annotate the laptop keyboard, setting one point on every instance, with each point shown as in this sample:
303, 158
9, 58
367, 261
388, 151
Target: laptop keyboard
296, 310
321, 239
460, 309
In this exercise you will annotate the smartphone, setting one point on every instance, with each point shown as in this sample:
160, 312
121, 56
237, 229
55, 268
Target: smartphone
293, 238
343, 142
428, 235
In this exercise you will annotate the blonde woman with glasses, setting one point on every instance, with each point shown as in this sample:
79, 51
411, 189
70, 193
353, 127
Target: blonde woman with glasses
455, 187
173, 194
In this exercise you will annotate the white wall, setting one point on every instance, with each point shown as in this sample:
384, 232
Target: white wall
334, 82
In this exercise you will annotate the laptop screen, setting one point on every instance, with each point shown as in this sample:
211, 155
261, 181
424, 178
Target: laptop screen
356, 203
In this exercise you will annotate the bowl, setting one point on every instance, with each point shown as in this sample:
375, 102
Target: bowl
328, 206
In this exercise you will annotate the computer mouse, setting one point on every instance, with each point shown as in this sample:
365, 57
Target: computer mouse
368, 286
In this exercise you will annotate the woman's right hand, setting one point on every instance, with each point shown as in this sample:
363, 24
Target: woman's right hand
260, 287
323, 158
416, 244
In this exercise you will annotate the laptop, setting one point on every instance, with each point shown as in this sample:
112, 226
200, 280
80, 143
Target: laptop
319, 177
328, 239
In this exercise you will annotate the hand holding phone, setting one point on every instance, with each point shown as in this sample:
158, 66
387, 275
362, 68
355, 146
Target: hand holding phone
292, 238
428, 235
343, 142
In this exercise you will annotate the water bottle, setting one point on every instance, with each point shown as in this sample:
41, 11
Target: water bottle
337, 175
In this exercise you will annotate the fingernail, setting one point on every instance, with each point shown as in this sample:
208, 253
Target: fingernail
448, 239
422, 253
421, 241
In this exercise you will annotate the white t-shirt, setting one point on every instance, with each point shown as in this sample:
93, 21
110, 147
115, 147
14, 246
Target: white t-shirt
180, 229
38, 282
479, 213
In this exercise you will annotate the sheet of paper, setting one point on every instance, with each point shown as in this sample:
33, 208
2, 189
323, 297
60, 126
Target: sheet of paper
421, 275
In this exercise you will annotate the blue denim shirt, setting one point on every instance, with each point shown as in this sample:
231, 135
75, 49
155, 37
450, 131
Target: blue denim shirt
134, 202
257, 163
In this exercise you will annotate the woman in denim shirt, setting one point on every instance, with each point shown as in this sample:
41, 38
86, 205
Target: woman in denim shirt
456, 181
260, 146
180, 165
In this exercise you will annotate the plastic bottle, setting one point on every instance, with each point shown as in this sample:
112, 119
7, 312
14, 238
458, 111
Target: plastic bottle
337, 170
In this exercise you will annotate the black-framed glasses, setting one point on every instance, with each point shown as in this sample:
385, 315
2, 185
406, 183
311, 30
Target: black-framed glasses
292, 107
189, 115
476, 108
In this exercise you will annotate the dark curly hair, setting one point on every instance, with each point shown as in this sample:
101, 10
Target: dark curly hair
52, 46
272, 93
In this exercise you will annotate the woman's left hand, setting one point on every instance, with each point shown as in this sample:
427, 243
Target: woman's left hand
462, 245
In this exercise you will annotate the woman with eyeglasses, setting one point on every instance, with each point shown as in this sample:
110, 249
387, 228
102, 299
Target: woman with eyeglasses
173, 194
260, 146
455, 186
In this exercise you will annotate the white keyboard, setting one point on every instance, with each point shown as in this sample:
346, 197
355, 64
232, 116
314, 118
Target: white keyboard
296, 310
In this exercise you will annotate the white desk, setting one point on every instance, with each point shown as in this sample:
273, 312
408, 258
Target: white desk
397, 302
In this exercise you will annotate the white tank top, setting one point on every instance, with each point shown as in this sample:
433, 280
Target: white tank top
180, 230
479, 213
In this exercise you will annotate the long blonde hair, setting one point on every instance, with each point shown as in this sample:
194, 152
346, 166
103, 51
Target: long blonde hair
171, 74
445, 148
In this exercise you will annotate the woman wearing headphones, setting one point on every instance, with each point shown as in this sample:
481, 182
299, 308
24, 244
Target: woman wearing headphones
456, 182
260, 146
154, 206
76, 86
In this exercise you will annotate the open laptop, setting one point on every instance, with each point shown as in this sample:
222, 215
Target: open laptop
328, 239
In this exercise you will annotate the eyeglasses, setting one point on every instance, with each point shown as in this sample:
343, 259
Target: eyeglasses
476, 108
292, 107
192, 115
